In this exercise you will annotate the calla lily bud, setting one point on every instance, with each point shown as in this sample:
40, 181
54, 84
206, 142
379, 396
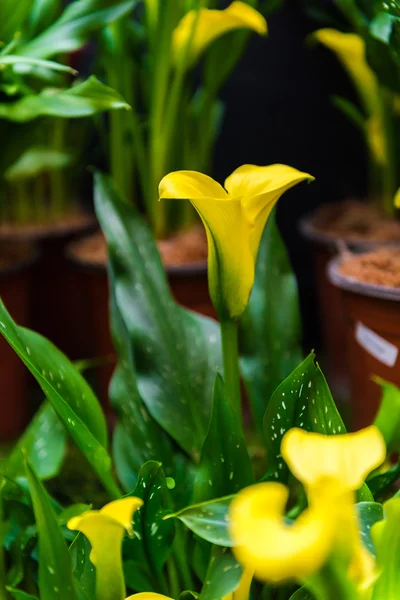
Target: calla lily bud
234, 217
105, 530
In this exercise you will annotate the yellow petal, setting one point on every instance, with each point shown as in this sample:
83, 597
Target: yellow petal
260, 188
264, 542
350, 50
105, 530
148, 596
347, 458
122, 511
189, 185
397, 199
198, 29
376, 139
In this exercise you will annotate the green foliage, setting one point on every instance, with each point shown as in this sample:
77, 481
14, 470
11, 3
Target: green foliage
270, 327
223, 575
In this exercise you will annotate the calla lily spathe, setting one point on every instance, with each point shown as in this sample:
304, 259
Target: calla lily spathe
105, 530
331, 469
234, 218
198, 29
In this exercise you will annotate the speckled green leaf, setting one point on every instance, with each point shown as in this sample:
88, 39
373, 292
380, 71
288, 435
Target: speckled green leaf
379, 482
223, 575
43, 442
151, 547
209, 520
302, 594
302, 400
68, 393
386, 536
225, 466
176, 353
270, 333
82, 567
55, 568
369, 513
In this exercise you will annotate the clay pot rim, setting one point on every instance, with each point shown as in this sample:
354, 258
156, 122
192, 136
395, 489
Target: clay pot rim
308, 230
22, 264
198, 268
350, 284
51, 232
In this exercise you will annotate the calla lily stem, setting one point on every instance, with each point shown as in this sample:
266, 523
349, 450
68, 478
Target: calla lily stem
230, 352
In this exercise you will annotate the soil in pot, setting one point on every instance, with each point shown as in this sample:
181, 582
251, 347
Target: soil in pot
370, 285
360, 225
184, 256
58, 311
16, 270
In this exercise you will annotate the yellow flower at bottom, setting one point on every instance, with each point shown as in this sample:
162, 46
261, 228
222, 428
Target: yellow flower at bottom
234, 218
276, 550
105, 530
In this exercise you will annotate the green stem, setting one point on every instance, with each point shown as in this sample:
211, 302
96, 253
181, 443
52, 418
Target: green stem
230, 353
389, 168
332, 583
174, 587
181, 558
58, 199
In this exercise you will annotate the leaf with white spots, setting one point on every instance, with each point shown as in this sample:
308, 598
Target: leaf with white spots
43, 442
152, 544
369, 513
225, 466
302, 400
175, 353
82, 567
68, 393
56, 580
223, 575
209, 520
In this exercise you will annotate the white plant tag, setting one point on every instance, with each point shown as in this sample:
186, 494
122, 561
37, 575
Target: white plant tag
377, 346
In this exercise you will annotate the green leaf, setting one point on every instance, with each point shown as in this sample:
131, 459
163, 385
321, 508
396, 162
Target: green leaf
386, 535
44, 443
13, 59
79, 21
351, 111
13, 16
379, 482
209, 520
270, 333
43, 14
302, 594
68, 393
388, 418
18, 595
82, 567
369, 513
223, 575
36, 160
225, 466
55, 569
151, 547
84, 99
175, 353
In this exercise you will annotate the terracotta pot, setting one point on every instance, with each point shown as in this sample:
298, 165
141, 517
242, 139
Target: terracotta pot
58, 310
15, 291
372, 318
188, 284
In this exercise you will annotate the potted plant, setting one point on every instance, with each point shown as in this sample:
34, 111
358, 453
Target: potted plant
45, 122
183, 512
367, 60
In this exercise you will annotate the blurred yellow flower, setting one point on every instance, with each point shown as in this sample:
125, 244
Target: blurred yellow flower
397, 199
234, 218
105, 530
198, 29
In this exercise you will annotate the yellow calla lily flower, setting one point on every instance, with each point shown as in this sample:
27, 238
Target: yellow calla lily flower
350, 50
148, 596
234, 218
397, 199
347, 458
276, 550
105, 530
198, 29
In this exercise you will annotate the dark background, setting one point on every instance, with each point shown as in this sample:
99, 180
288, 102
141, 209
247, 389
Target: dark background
279, 110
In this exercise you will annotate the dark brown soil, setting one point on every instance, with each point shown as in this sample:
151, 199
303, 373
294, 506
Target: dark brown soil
75, 222
358, 221
188, 247
379, 267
